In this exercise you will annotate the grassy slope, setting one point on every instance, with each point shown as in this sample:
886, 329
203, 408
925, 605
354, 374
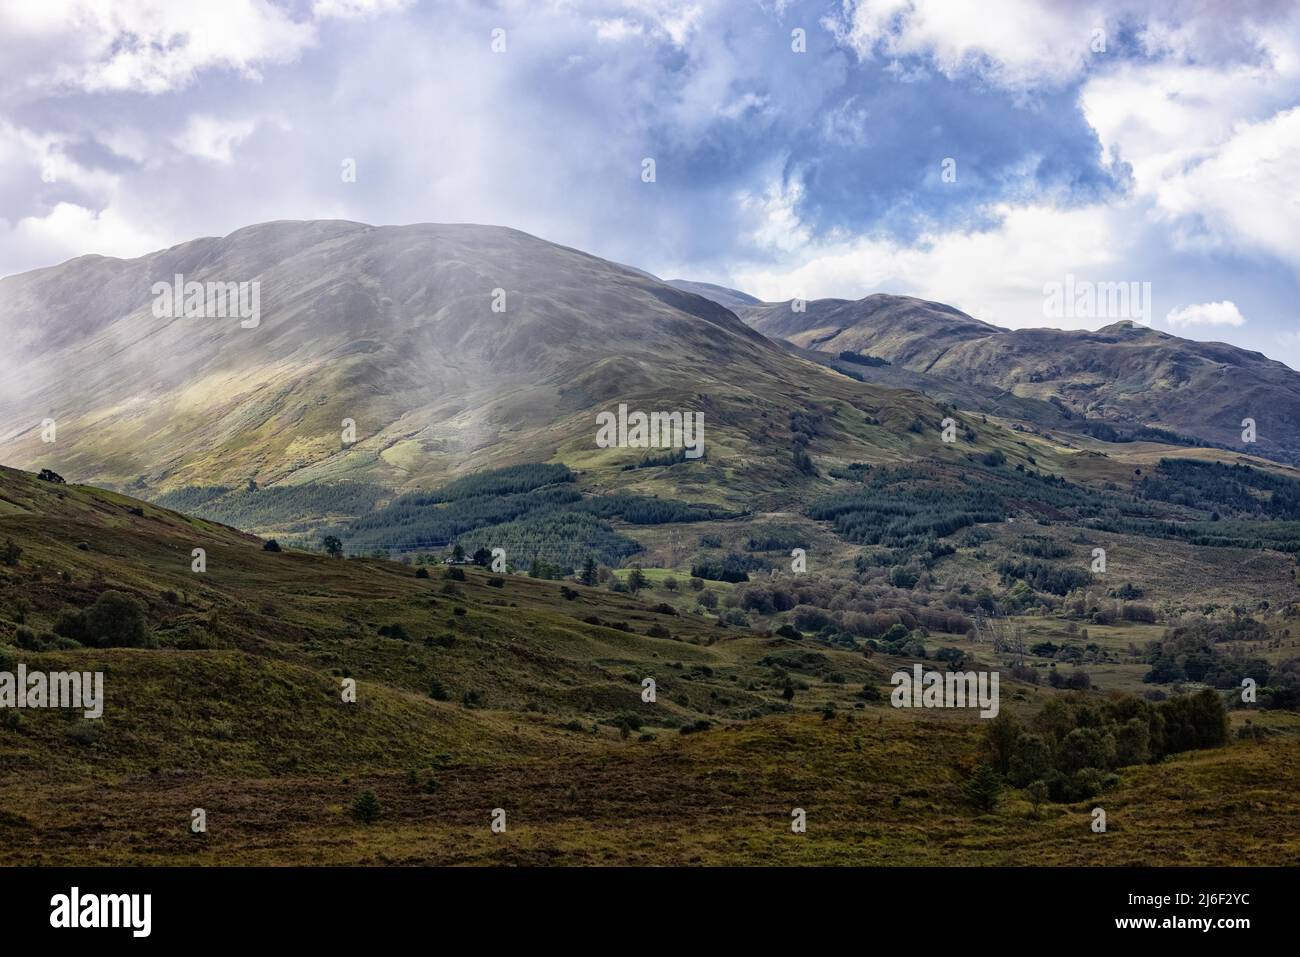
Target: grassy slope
237, 711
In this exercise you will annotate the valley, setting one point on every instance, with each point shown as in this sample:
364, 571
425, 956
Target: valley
456, 609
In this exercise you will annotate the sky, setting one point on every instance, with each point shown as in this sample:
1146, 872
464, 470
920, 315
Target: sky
973, 153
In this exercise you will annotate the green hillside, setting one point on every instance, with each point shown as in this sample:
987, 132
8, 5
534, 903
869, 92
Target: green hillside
524, 694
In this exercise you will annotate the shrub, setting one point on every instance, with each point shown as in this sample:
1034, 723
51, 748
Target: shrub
115, 620
1037, 793
1031, 759
85, 733
983, 789
953, 657
270, 545
1078, 786
1194, 721
71, 624
1087, 748
636, 580
10, 553
366, 807
1024, 673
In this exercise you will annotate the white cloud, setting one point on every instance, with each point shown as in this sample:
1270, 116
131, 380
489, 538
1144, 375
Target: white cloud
70, 230
150, 46
1246, 191
673, 19
29, 159
776, 224
1223, 313
1026, 44
356, 9
994, 274
211, 138
617, 28
1016, 43
154, 46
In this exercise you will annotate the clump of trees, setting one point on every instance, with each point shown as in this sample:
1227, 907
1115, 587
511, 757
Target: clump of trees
1072, 746
1043, 576
1191, 652
733, 567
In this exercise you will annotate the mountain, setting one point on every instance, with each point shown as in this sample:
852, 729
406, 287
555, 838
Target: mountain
1123, 374
728, 298
452, 347
906, 331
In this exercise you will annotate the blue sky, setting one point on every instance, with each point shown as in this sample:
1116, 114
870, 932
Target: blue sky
1110, 141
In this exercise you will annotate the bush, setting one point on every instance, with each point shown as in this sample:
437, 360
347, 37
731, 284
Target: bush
1133, 742
71, 624
1087, 748
1194, 721
10, 553
270, 545
115, 620
1031, 759
984, 788
1083, 784
1024, 673
1037, 793
366, 807
954, 658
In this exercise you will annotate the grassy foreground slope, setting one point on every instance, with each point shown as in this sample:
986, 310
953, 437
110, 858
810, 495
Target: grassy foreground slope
235, 707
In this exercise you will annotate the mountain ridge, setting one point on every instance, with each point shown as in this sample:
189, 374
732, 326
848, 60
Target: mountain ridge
451, 348
1122, 373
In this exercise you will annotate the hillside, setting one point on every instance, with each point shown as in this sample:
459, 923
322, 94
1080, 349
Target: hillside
394, 328
505, 693
1124, 374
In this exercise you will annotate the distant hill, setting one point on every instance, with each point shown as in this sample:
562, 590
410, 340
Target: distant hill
730, 298
1123, 373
